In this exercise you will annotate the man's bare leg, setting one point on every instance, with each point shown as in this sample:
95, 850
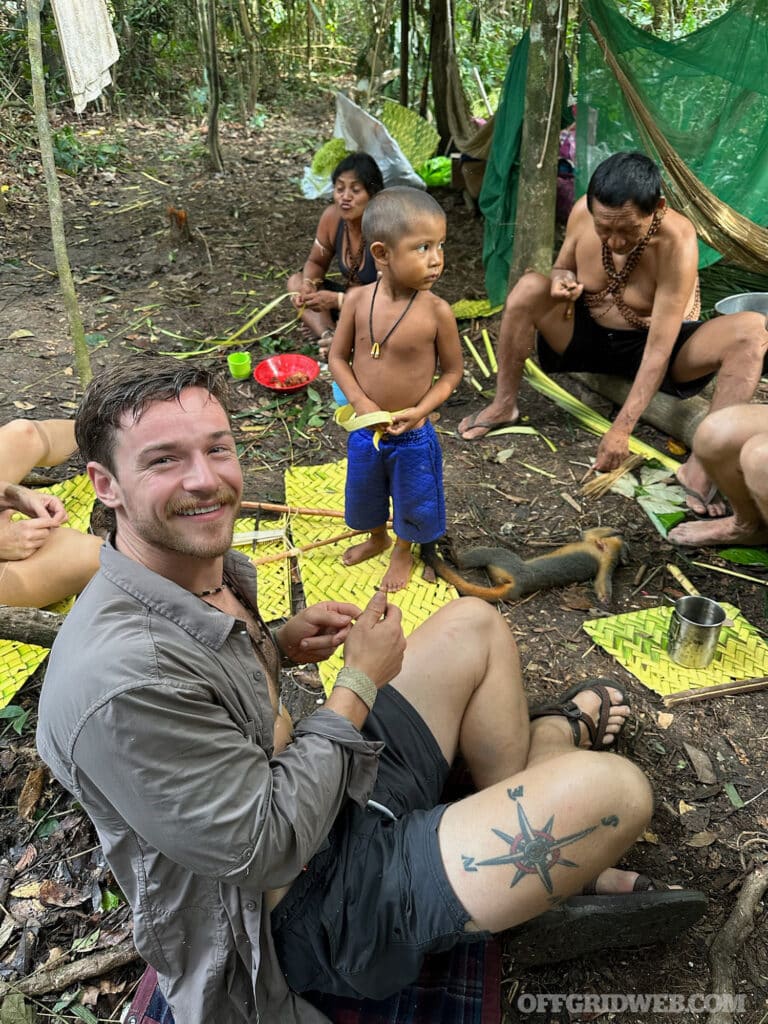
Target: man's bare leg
25, 444
529, 307
400, 567
378, 541
462, 674
61, 567
516, 849
732, 446
732, 346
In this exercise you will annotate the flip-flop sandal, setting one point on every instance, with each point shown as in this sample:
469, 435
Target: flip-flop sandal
485, 425
565, 707
704, 499
588, 923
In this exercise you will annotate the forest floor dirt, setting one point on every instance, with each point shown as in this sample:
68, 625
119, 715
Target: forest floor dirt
141, 290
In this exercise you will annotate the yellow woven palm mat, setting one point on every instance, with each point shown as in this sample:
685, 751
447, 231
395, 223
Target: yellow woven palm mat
17, 663
17, 660
638, 641
78, 497
325, 577
273, 578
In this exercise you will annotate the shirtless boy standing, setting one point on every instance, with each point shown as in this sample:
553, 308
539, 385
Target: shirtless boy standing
386, 349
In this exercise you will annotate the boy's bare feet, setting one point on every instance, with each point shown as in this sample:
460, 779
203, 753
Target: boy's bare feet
399, 571
730, 530
378, 541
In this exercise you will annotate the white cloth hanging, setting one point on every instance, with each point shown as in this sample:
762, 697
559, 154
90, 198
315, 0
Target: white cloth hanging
89, 47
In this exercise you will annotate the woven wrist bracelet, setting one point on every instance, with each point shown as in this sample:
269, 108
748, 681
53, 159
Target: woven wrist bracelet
359, 683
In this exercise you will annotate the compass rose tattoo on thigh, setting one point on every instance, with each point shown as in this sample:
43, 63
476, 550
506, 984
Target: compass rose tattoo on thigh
534, 851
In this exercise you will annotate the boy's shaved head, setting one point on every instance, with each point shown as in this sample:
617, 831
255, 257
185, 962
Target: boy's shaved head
391, 213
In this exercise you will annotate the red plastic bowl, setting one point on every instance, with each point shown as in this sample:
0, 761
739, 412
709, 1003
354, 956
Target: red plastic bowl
278, 372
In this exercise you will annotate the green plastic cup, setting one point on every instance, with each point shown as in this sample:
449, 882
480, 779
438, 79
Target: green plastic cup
239, 364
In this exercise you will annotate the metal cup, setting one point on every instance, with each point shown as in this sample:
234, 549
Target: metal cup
694, 630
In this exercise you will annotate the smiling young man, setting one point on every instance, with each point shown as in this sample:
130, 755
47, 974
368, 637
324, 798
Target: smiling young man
622, 299
253, 862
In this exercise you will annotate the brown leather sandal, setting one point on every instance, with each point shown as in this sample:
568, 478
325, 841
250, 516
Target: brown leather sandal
566, 708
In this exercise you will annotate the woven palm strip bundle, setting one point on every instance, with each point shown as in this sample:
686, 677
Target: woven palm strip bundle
273, 579
325, 577
17, 660
638, 641
471, 309
416, 137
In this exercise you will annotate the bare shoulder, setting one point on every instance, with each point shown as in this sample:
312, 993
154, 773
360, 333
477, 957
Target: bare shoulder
438, 306
328, 225
677, 229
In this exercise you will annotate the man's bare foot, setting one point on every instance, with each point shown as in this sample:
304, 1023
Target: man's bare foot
702, 497
558, 715
613, 881
376, 543
709, 532
476, 426
399, 572
589, 702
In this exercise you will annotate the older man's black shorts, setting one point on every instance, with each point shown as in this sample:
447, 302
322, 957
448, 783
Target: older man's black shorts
597, 349
360, 919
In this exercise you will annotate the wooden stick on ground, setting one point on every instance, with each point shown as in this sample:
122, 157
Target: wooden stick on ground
60, 977
721, 690
291, 552
291, 510
730, 939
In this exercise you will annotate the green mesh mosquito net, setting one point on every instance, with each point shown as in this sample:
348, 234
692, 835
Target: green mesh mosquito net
697, 105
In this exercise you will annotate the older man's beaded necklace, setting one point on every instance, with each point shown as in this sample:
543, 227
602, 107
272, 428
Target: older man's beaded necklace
617, 279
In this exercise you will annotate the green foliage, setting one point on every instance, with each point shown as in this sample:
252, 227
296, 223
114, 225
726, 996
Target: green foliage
74, 155
16, 717
328, 156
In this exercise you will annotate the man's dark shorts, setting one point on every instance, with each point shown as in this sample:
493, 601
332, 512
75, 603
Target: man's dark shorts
367, 909
597, 349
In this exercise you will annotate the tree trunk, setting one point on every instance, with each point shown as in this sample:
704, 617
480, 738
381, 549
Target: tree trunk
206, 18
247, 17
29, 625
405, 43
537, 187
58, 236
440, 53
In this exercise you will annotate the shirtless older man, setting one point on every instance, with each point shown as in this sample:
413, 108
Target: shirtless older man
622, 298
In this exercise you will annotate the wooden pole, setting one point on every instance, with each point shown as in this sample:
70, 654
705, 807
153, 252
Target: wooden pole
291, 510
291, 552
58, 235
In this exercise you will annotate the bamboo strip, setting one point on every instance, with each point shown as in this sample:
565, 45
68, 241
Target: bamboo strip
723, 690
291, 510
292, 552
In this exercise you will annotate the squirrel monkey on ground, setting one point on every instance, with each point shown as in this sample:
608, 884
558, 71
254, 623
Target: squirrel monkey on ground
595, 556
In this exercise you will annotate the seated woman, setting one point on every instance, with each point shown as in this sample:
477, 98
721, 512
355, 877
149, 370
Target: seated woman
355, 181
39, 562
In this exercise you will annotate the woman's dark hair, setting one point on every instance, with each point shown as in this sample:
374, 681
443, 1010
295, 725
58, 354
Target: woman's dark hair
626, 178
364, 168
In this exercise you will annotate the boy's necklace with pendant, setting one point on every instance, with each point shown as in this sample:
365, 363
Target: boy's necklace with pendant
376, 345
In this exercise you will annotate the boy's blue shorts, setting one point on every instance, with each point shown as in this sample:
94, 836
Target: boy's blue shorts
409, 469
